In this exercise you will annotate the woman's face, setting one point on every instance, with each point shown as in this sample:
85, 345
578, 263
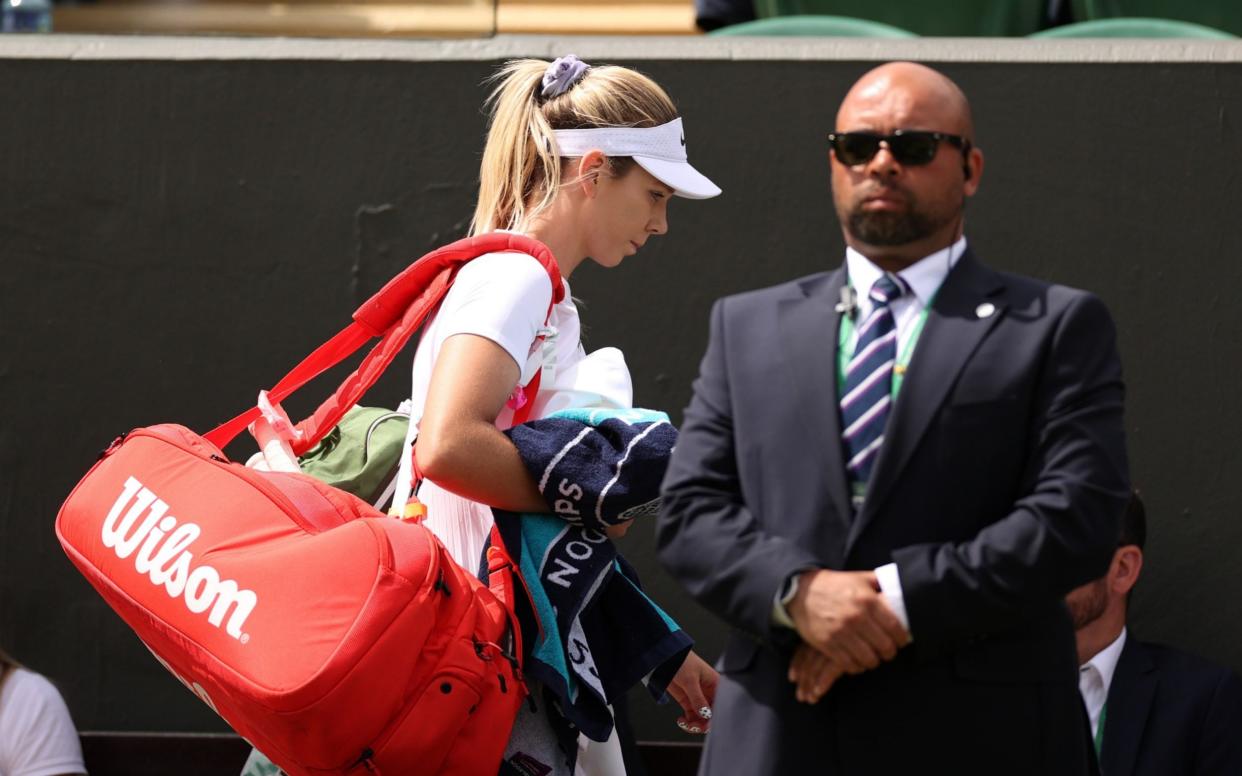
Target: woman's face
626, 210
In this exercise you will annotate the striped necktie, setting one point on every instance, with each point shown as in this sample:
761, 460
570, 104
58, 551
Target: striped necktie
867, 395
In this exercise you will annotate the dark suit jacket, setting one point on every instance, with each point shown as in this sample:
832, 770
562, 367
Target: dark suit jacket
998, 489
1171, 713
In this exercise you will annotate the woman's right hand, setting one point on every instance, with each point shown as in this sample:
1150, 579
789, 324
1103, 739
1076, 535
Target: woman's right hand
694, 689
618, 530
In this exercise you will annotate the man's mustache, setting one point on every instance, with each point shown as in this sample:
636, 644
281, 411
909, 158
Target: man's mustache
884, 192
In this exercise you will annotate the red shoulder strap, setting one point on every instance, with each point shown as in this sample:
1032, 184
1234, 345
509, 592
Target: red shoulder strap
394, 314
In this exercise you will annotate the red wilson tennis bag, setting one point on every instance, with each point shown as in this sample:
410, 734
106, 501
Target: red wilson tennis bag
334, 638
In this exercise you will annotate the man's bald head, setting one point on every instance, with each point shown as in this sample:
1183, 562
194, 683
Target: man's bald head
910, 89
899, 205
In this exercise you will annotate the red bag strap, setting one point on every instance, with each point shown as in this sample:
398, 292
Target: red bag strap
506, 583
394, 313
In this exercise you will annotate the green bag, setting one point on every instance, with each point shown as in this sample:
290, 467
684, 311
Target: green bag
362, 454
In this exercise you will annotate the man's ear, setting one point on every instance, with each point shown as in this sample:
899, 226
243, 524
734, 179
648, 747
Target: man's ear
1127, 565
591, 167
973, 163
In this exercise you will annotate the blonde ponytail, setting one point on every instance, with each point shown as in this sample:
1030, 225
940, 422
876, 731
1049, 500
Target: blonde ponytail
521, 169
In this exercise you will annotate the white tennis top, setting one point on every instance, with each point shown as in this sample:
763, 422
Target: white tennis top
504, 297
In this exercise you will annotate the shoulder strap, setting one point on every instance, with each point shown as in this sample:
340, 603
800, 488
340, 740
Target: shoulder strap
394, 313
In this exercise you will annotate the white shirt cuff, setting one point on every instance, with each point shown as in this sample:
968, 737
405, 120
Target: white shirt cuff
780, 615
890, 588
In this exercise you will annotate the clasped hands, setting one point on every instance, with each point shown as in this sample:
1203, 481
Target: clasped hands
846, 628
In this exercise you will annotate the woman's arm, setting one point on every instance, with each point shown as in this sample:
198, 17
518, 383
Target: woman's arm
459, 446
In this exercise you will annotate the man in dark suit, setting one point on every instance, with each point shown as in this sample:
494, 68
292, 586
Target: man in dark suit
891, 474
1155, 710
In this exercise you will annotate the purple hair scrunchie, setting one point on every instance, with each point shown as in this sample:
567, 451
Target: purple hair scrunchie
562, 74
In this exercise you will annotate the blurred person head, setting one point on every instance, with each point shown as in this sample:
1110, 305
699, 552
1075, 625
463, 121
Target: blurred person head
7, 665
903, 163
1098, 608
541, 173
37, 734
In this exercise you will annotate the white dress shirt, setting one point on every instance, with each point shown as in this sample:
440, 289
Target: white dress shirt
924, 278
1096, 676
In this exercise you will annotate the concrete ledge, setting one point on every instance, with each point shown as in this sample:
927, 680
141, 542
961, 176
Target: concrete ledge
115, 753
697, 47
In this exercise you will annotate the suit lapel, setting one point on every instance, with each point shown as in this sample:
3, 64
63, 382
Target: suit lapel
1129, 704
953, 331
810, 326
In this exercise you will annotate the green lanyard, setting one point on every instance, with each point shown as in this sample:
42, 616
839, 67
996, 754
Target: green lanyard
845, 353
1099, 729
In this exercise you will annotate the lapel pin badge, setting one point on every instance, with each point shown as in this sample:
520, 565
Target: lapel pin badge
985, 310
849, 301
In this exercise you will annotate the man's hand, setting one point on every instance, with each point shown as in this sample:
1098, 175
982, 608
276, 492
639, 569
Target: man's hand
813, 673
842, 615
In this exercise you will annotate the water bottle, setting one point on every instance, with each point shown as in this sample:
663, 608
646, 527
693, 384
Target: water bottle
25, 15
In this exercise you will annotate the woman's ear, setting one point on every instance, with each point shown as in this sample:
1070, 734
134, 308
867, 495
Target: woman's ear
591, 167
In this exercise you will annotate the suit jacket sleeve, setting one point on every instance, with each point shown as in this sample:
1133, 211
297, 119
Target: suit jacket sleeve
1220, 747
707, 536
1062, 530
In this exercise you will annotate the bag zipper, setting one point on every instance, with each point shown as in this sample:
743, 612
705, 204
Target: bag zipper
366, 444
272, 493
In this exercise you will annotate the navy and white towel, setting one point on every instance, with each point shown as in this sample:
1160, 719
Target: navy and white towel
598, 468
598, 634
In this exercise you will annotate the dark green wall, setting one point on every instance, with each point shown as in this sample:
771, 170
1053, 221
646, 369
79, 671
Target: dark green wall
176, 233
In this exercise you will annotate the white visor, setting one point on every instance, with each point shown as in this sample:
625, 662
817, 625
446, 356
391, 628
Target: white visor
660, 151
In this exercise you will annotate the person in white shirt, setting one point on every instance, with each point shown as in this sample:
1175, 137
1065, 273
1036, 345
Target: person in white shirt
37, 737
585, 160
1154, 710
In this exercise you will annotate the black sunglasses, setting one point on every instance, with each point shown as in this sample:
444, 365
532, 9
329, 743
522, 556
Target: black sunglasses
908, 146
